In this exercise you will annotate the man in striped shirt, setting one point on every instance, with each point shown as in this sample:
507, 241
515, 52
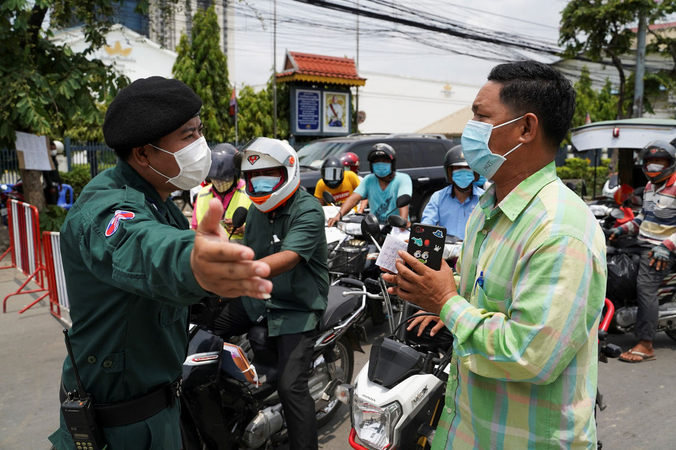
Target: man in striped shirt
656, 230
532, 280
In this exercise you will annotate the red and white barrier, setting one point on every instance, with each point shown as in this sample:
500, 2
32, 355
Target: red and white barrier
24, 246
56, 280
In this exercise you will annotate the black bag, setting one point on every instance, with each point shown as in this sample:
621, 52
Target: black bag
622, 273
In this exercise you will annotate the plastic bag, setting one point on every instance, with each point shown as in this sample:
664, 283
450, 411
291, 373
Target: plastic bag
622, 273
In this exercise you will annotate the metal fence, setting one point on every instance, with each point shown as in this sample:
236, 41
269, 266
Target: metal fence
97, 156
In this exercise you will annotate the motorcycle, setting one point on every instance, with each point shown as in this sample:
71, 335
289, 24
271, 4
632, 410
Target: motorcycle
229, 396
623, 260
398, 396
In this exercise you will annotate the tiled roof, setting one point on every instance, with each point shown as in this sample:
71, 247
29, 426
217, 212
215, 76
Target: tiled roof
319, 66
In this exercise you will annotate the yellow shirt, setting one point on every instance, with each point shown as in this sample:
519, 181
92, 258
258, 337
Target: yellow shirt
343, 191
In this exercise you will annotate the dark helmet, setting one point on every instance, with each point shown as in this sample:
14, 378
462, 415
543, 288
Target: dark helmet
332, 172
658, 149
223, 166
350, 161
454, 157
382, 151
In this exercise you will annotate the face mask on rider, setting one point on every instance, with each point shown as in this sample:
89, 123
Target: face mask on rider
264, 184
221, 185
194, 162
474, 142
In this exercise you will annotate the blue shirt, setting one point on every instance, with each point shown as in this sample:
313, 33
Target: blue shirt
383, 203
446, 211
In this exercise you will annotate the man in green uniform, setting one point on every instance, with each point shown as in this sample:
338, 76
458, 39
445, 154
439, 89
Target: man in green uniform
132, 267
285, 227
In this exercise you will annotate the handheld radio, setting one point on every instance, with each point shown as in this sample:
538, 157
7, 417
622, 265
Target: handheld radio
78, 413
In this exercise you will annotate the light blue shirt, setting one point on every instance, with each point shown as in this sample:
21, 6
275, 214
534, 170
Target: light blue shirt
446, 211
383, 203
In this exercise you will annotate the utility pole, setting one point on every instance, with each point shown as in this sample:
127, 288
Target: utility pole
357, 67
274, 69
640, 66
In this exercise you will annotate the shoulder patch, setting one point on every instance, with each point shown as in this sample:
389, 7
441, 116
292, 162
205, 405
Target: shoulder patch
114, 223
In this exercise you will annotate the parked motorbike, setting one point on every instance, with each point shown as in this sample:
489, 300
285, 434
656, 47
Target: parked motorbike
606, 351
623, 258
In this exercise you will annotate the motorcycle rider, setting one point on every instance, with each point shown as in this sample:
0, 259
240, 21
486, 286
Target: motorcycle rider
226, 186
335, 180
285, 228
381, 187
656, 230
451, 206
351, 162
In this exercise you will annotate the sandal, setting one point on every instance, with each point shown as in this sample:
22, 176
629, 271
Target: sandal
644, 357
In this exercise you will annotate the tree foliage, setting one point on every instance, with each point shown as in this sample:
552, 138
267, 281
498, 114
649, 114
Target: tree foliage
600, 105
202, 65
46, 88
256, 113
601, 29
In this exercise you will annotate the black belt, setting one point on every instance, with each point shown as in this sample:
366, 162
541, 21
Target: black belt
135, 410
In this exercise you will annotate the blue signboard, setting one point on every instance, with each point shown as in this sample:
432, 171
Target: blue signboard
307, 107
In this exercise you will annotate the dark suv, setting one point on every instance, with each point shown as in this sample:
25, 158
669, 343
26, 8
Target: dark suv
421, 156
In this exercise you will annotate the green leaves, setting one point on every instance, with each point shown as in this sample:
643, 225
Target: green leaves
202, 65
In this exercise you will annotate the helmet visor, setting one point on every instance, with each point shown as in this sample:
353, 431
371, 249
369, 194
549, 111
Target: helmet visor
332, 174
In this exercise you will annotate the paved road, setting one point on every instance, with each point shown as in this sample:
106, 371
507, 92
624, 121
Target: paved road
640, 397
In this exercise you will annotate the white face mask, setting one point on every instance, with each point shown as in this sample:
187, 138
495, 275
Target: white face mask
194, 162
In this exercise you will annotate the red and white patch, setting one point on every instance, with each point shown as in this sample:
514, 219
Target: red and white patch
114, 223
253, 158
653, 150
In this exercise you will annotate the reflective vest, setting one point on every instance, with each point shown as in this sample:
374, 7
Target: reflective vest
231, 202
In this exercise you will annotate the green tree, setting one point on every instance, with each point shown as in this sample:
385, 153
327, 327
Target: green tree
256, 113
600, 105
599, 29
202, 65
46, 88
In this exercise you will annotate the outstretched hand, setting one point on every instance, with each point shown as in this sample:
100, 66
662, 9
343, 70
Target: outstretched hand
427, 288
225, 268
424, 321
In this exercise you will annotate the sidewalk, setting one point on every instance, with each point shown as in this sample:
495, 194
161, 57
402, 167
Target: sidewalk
32, 353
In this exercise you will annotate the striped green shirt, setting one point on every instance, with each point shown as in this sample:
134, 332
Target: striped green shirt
532, 285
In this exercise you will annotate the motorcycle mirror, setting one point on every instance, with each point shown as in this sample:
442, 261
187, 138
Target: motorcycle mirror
616, 213
397, 221
328, 198
403, 200
370, 226
238, 219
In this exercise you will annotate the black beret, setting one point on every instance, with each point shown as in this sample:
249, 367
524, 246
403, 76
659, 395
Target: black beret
147, 110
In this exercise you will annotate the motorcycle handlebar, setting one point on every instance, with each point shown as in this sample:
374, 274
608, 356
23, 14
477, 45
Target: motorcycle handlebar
369, 295
610, 312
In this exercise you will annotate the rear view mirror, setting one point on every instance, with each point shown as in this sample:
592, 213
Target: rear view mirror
403, 200
239, 217
328, 198
370, 226
397, 221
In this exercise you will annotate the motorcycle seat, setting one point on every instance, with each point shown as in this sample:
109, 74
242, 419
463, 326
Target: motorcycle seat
338, 307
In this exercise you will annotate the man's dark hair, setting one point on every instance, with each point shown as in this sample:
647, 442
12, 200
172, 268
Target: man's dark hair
534, 87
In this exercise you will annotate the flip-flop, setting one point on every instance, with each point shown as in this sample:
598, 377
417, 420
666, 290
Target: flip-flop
644, 357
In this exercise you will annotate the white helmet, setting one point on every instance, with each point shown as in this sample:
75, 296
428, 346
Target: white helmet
58, 147
265, 153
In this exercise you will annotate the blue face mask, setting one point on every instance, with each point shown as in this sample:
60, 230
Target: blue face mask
382, 169
264, 184
481, 181
463, 178
474, 142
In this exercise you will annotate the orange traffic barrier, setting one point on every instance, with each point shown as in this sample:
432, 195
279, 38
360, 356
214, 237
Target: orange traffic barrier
56, 280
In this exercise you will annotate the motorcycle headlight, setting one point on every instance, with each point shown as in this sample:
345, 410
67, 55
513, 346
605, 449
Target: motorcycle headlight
375, 425
353, 229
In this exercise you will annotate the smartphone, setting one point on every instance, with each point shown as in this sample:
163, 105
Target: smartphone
426, 244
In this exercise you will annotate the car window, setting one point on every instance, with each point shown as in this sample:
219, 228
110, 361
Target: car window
405, 157
314, 153
362, 151
431, 153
